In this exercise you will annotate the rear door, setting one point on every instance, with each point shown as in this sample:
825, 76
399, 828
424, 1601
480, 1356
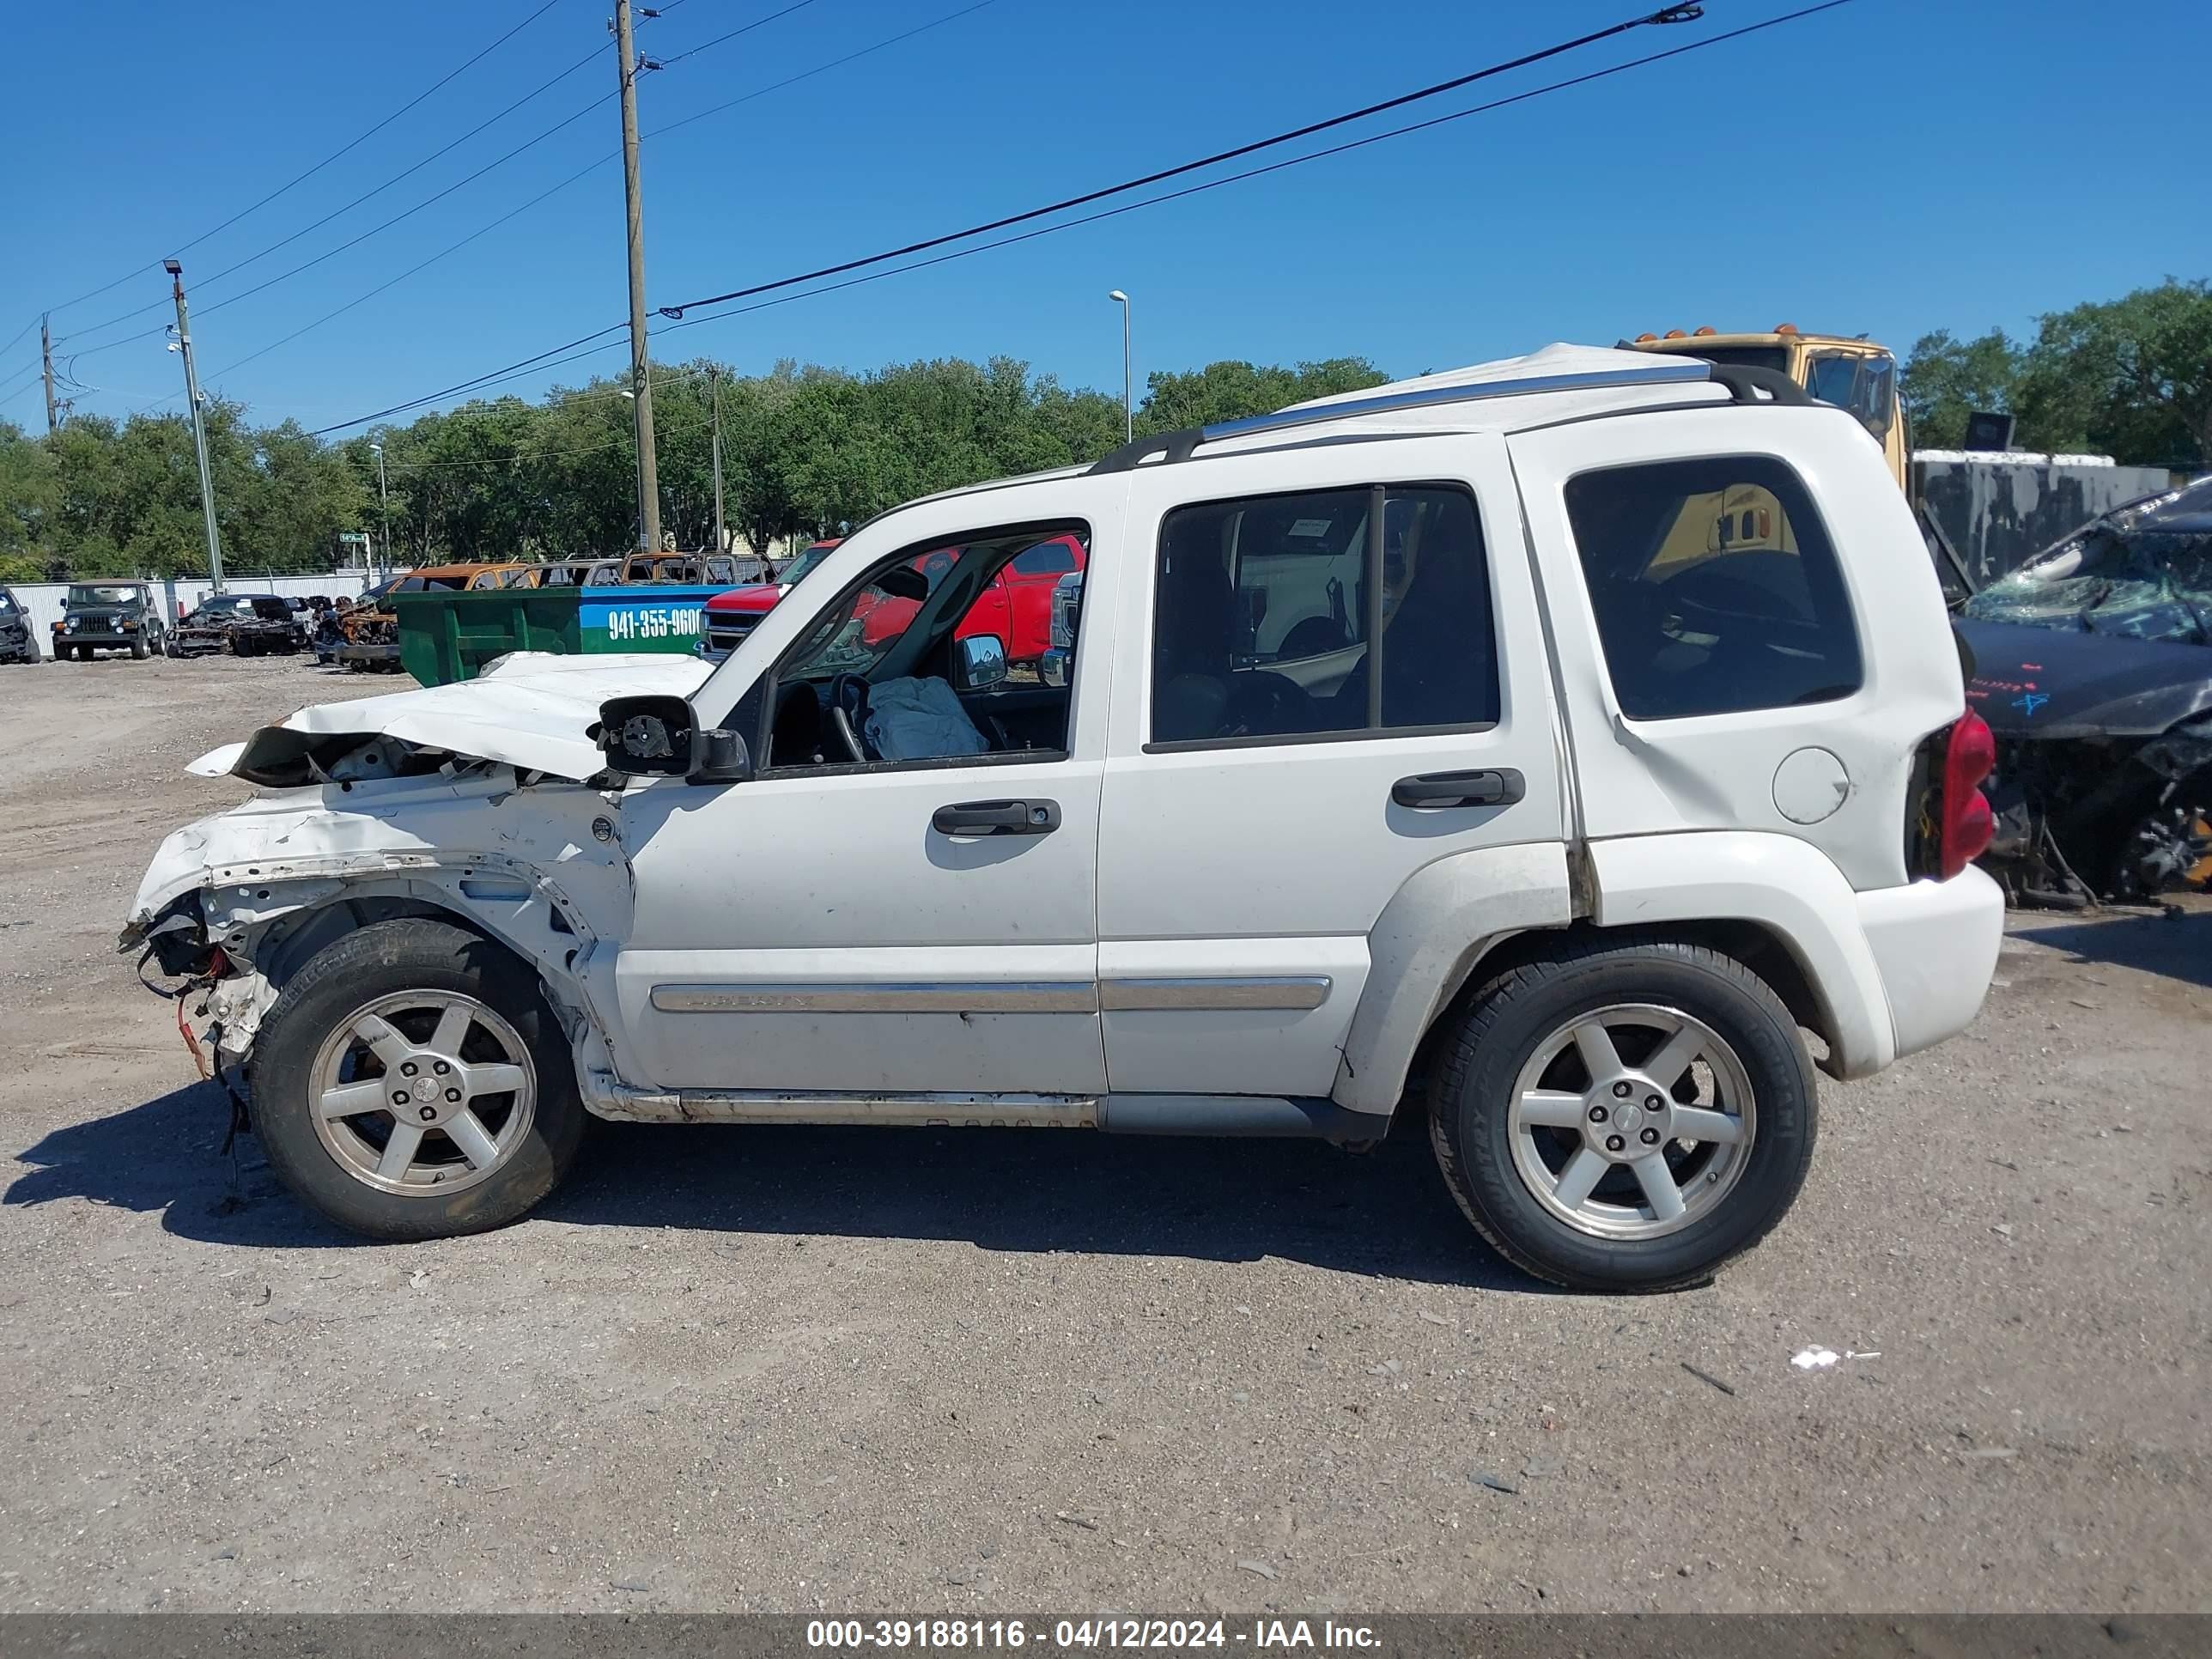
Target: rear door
1321, 690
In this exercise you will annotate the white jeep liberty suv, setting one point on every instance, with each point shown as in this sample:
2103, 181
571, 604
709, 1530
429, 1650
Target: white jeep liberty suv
1542, 747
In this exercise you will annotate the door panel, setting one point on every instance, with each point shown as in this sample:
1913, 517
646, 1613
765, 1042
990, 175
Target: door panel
812, 930
818, 933
1270, 860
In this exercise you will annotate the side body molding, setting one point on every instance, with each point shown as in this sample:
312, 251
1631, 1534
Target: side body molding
1426, 943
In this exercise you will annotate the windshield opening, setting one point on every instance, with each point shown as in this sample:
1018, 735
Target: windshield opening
98, 593
2145, 583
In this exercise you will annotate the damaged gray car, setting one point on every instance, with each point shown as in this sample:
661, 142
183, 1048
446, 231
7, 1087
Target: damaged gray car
2093, 665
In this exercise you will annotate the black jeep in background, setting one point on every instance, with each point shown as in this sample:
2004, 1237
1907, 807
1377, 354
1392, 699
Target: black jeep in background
108, 617
18, 643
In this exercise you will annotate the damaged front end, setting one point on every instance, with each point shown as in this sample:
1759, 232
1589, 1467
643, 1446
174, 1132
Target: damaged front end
2092, 667
480, 803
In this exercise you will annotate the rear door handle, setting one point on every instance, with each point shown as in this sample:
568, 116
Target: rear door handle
1433, 791
997, 818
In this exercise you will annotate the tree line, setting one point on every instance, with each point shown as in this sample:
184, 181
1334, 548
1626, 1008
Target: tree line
806, 451
2129, 378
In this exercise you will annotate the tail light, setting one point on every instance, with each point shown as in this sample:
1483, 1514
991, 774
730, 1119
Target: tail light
1970, 754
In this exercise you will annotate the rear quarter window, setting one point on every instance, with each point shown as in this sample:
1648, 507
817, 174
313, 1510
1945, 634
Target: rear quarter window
1716, 587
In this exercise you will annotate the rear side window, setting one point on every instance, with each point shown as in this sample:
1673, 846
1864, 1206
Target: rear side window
1281, 617
1716, 587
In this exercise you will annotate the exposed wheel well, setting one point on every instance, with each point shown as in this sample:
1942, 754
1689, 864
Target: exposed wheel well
1758, 948
311, 932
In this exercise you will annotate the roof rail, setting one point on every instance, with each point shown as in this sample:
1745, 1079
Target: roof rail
1172, 447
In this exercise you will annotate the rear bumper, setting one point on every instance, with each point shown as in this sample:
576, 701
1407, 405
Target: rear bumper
369, 654
1935, 944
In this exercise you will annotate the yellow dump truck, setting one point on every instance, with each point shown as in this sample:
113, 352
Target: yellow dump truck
1854, 373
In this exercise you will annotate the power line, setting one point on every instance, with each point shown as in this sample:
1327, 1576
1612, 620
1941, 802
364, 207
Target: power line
582, 172
355, 144
705, 46
821, 69
1273, 167
555, 357
367, 195
138, 270
1675, 14
408, 212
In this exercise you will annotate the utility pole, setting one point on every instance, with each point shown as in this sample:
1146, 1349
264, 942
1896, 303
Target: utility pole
640, 368
714, 381
199, 425
47, 355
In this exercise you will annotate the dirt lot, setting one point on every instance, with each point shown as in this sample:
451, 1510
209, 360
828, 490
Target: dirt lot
897, 1369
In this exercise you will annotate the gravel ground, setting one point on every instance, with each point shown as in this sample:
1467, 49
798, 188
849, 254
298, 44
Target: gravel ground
981, 1372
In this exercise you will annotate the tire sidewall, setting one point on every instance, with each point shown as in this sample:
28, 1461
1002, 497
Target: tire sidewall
1754, 1024
383, 959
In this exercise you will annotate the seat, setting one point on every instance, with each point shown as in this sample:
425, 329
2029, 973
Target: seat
1193, 621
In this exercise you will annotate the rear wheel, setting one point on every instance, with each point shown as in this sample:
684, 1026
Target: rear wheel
412, 1083
1626, 1117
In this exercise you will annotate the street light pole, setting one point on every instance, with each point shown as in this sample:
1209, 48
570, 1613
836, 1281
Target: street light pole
1128, 407
714, 380
383, 514
640, 368
199, 425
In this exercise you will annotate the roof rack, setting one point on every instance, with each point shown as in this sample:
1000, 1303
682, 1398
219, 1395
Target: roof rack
1743, 386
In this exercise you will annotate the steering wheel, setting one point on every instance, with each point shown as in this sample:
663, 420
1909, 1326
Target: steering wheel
849, 714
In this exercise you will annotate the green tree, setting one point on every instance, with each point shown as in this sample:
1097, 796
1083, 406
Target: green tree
1946, 380
2131, 377
1230, 391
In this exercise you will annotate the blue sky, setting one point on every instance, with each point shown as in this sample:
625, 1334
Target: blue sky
1892, 166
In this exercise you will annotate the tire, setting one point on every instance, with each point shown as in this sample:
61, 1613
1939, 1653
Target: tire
331, 1163
1512, 1166
84, 652
138, 649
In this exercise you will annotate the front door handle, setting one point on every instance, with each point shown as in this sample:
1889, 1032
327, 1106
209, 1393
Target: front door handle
1433, 791
997, 818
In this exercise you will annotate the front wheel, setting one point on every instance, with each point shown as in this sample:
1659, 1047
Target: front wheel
412, 1082
139, 648
1627, 1116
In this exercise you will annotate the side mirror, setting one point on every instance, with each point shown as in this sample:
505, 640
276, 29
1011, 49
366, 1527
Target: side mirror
658, 736
647, 737
979, 662
1053, 670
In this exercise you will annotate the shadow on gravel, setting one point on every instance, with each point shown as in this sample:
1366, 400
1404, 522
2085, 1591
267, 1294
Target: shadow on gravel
1384, 1213
2177, 944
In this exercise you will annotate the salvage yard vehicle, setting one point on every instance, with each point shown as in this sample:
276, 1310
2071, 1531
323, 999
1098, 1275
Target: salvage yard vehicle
732, 615
1852, 373
2093, 664
1389, 764
244, 624
19, 641
372, 629
99, 617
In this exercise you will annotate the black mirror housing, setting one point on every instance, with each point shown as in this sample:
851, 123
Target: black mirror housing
647, 737
658, 736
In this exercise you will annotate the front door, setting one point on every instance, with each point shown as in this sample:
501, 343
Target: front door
838, 926
1339, 685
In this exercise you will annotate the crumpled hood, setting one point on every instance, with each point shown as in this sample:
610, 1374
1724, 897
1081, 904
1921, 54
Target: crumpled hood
2055, 683
532, 710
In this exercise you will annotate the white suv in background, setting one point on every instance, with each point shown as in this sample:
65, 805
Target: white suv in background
1540, 749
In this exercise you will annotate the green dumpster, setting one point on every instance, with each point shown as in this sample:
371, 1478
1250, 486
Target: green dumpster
448, 637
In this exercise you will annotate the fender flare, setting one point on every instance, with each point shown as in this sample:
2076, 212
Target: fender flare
1426, 943
1788, 887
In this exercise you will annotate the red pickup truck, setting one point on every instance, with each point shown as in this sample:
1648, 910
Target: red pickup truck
1017, 607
